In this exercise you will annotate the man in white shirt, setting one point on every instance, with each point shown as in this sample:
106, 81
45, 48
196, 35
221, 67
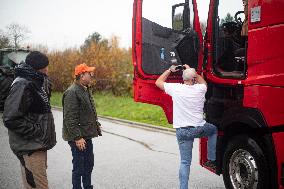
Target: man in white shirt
188, 102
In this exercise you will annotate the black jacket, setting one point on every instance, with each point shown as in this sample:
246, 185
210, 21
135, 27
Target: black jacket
79, 114
27, 113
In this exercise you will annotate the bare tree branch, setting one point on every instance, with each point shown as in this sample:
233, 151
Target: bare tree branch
17, 33
4, 40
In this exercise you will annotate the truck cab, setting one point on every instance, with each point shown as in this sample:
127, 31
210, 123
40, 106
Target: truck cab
244, 72
9, 58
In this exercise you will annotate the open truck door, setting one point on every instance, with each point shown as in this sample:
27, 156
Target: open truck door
244, 78
156, 47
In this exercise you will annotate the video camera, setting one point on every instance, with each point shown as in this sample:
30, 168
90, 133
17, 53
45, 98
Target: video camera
180, 67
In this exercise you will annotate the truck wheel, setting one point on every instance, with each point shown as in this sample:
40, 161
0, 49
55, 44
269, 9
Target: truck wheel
244, 165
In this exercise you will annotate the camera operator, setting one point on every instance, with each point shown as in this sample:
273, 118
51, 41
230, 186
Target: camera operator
188, 102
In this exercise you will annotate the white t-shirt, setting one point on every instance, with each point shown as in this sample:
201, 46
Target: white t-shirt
188, 103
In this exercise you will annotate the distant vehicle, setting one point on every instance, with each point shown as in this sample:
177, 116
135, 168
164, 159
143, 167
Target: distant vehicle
245, 77
9, 58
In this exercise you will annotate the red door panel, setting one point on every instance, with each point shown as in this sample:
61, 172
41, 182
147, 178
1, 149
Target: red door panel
147, 40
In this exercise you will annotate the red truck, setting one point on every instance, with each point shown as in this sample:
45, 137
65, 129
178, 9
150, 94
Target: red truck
245, 77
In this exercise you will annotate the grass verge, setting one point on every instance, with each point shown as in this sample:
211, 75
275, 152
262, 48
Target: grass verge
123, 107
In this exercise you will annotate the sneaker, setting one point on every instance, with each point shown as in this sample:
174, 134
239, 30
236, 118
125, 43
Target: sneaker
210, 164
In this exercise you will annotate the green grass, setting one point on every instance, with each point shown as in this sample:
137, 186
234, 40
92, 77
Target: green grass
123, 107
56, 99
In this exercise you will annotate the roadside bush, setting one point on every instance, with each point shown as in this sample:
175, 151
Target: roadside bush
113, 65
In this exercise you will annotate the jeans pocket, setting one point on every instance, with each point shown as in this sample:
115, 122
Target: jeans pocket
179, 135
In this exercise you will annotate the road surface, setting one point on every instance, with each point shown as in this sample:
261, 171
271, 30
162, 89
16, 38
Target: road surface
125, 158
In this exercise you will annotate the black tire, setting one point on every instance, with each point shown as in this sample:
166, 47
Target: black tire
244, 165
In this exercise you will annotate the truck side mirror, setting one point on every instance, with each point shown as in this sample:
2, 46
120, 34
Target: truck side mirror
180, 16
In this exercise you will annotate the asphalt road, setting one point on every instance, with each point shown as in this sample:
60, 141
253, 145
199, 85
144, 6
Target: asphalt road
125, 158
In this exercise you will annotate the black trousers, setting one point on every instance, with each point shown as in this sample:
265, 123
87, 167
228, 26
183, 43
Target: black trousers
83, 163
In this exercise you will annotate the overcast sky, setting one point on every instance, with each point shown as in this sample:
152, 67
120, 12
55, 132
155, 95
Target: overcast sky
59, 24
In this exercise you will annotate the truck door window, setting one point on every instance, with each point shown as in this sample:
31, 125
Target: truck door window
160, 12
230, 43
165, 42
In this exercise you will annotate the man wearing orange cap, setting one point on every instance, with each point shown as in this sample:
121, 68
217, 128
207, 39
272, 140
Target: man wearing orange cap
80, 125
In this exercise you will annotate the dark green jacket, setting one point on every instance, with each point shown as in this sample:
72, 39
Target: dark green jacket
79, 114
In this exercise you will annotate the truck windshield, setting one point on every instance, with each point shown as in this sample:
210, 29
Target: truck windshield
12, 58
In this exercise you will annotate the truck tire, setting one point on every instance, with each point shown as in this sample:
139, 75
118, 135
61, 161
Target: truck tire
244, 165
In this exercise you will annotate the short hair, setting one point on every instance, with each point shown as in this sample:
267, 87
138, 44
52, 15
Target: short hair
188, 74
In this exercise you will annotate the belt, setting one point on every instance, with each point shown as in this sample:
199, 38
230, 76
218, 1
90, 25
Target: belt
191, 127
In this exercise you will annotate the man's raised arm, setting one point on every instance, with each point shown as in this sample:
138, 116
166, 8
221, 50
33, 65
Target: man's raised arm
161, 80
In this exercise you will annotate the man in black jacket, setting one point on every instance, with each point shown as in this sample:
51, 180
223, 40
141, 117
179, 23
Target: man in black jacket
28, 117
80, 125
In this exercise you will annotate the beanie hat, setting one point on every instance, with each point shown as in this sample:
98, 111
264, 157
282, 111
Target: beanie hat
37, 60
188, 74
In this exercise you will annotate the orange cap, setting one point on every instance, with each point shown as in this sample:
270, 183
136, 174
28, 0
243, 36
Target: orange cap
82, 68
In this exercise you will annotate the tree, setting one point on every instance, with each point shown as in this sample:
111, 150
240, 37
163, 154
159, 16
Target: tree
178, 22
92, 38
4, 40
228, 18
17, 34
203, 27
113, 73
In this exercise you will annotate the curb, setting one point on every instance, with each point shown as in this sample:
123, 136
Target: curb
132, 123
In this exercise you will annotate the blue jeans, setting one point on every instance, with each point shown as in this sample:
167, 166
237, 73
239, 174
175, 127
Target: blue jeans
83, 163
185, 138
